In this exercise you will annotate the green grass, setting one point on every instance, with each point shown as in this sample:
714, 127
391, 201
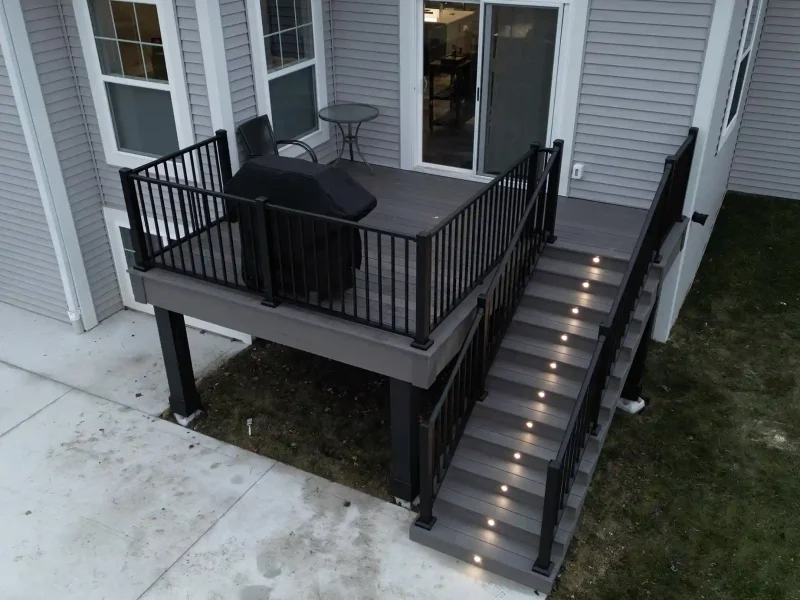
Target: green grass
699, 497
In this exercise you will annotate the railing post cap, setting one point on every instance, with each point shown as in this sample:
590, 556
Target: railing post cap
221, 132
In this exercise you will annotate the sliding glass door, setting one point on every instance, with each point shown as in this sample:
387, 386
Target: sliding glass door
489, 71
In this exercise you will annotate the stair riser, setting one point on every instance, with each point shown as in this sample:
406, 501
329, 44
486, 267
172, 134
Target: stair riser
582, 258
569, 282
563, 309
526, 460
545, 334
513, 420
530, 540
527, 391
493, 487
566, 370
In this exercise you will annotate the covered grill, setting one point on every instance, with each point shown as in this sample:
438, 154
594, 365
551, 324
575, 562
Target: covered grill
306, 254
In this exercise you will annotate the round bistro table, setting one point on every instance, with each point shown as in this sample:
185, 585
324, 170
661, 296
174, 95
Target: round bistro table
349, 114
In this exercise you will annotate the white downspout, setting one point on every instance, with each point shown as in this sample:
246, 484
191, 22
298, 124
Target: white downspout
51, 215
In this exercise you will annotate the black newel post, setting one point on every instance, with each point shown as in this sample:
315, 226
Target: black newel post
405, 405
423, 324
184, 399
138, 239
554, 178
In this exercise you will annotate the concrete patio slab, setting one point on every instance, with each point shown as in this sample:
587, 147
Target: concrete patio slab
98, 503
295, 535
22, 394
119, 360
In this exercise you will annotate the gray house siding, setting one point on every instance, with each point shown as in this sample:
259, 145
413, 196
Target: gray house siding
366, 49
53, 37
639, 84
29, 276
193, 67
767, 156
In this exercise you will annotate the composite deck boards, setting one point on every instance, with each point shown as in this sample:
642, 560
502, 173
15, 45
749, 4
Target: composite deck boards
408, 203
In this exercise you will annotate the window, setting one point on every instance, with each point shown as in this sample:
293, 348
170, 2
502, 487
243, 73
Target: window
138, 93
741, 68
289, 65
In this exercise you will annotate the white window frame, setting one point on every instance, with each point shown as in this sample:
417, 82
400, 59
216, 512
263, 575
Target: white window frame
176, 85
728, 125
262, 77
115, 219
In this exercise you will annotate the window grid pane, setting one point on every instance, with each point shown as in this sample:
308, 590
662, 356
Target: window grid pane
293, 98
128, 39
288, 32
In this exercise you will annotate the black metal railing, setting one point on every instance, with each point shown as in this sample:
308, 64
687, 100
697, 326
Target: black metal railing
441, 431
183, 221
665, 211
456, 256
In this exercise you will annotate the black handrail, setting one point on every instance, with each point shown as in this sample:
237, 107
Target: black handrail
441, 431
664, 212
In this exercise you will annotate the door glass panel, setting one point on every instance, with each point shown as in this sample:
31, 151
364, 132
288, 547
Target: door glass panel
519, 50
450, 63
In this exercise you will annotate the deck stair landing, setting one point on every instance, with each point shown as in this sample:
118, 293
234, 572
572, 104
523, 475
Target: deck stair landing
489, 505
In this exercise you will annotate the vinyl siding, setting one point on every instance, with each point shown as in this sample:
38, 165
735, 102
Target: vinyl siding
29, 276
767, 156
366, 50
193, 67
641, 72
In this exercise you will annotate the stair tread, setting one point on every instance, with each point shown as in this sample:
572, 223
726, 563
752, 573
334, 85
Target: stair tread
532, 409
559, 323
531, 449
552, 382
532, 346
587, 272
488, 535
571, 246
554, 293
494, 559
516, 433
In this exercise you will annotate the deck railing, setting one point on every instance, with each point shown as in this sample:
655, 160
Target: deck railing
665, 211
441, 431
183, 221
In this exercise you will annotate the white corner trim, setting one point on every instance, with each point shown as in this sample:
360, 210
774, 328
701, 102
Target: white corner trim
707, 91
409, 85
215, 66
47, 168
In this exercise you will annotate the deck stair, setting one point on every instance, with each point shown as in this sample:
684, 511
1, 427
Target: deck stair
489, 505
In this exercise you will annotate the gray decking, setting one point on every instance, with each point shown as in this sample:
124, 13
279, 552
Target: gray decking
408, 203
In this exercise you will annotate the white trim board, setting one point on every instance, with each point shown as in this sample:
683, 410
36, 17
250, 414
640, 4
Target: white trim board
574, 16
47, 168
115, 219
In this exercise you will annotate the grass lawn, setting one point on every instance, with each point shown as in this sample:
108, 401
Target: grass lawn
699, 497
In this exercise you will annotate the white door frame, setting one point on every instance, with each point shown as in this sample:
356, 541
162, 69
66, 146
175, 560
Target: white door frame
115, 219
569, 57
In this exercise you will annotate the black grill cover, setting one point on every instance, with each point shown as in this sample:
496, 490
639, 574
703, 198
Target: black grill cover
306, 255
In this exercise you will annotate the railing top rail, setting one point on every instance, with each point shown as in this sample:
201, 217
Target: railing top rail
472, 199
473, 330
190, 188
163, 159
522, 225
354, 224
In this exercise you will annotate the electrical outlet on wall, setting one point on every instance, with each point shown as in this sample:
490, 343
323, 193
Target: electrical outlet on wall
577, 171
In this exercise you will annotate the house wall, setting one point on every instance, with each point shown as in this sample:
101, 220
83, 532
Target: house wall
29, 275
767, 157
708, 182
638, 90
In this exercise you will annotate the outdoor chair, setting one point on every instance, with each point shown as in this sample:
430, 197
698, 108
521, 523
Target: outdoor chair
259, 139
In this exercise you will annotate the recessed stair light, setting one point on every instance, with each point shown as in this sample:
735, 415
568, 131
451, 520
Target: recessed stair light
517, 455
529, 424
596, 259
476, 559
585, 285
490, 522
553, 365
504, 488
541, 394
564, 337
575, 310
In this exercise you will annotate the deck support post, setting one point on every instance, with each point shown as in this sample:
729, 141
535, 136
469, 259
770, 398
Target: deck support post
406, 403
632, 388
184, 400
